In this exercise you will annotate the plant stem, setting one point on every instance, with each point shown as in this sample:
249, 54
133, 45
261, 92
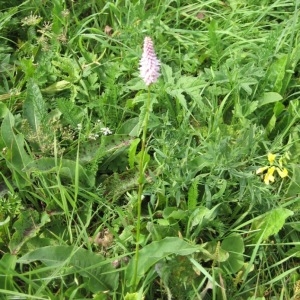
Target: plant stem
142, 167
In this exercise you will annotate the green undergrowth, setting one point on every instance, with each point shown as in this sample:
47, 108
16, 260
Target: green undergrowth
220, 210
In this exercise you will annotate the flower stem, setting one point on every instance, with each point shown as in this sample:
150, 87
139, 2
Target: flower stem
142, 167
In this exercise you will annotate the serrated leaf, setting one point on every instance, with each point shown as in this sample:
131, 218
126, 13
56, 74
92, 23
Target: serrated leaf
64, 167
270, 223
34, 107
190, 85
193, 194
132, 152
97, 272
26, 227
118, 184
167, 73
177, 94
71, 113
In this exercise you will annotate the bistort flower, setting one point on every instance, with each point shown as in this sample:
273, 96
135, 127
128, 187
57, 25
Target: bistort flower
149, 64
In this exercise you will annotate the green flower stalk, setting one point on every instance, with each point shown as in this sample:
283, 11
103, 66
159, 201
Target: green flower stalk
149, 72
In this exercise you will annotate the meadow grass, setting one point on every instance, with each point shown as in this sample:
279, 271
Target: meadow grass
186, 190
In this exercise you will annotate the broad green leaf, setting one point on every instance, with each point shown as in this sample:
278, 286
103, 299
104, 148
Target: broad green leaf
174, 213
57, 87
64, 167
7, 266
277, 72
117, 185
16, 156
234, 245
3, 110
26, 227
162, 228
132, 152
154, 252
190, 85
177, 94
269, 97
250, 108
34, 107
132, 296
270, 223
167, 74
198, 216
278, 108
109, 147
271, 124
202, 215
115, 151
293, 188
97, 272
213, 251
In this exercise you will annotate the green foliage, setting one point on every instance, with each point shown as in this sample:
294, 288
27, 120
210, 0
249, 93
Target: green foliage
153, 253
15, 154
96, 272
270, 223
26, 227
193, 195
72, 110
234, 245
34, 108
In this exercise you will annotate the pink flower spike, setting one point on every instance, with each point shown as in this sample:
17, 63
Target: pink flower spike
149, 64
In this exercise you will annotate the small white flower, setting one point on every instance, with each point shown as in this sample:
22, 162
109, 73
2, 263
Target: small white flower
93, 136
79, 126
105, 131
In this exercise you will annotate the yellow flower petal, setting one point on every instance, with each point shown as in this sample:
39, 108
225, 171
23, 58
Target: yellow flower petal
269, 177
271, 158
261, 170
271, 170
282, 173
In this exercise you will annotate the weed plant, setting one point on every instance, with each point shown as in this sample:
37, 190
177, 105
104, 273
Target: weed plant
204, 204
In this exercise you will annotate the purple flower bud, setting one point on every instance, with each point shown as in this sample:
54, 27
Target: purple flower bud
149, 64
